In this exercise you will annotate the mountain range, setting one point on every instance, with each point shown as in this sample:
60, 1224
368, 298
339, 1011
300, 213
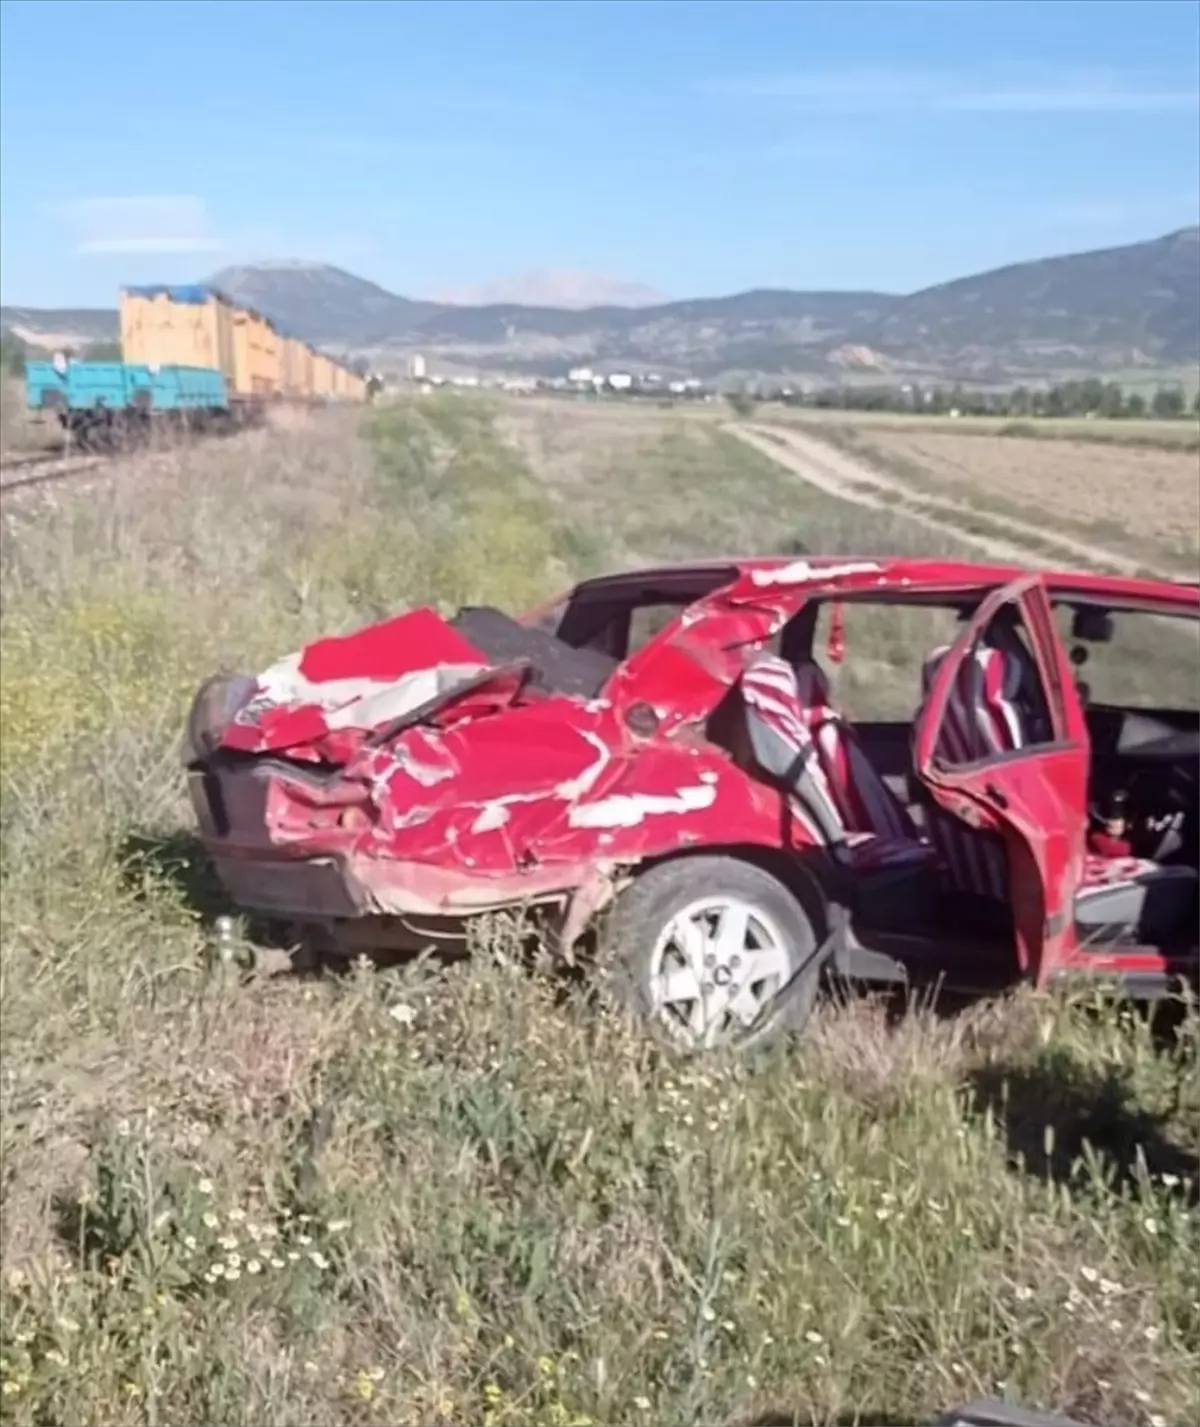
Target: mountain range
1113, 311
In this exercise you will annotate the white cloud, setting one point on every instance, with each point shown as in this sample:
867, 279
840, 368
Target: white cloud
161, 224
865, 91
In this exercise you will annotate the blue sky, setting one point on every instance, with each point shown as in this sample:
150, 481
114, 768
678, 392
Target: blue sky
695, 147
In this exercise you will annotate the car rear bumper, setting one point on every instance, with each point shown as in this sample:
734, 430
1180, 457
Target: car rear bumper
320, 871
337, 888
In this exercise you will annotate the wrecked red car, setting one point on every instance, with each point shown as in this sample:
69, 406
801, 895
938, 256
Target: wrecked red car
682, 767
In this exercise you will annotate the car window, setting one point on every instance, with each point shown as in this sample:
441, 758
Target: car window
885, 647
1151, 662
999, 704
648, 620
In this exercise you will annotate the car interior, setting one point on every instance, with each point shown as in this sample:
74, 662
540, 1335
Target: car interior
1140, 880
921, 872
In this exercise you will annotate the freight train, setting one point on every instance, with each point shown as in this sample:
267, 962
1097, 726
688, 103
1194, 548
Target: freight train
191, 358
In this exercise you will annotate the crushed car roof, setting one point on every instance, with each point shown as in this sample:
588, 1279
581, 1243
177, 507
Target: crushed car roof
756, 573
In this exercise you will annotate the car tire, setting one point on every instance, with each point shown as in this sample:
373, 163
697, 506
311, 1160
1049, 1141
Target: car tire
750, 945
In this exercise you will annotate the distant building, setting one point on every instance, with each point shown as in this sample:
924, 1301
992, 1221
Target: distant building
620, 381
583, 376
417, 368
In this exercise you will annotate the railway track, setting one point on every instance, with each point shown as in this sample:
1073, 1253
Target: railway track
43, 467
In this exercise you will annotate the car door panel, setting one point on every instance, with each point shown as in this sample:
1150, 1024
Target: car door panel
1035, 796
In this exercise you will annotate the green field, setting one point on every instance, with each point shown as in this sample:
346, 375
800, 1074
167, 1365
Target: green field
1181, 435
468, 1196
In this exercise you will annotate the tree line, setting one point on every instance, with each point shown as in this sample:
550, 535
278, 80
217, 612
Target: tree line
1088, 397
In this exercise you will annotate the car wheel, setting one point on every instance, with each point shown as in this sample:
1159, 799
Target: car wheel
715, 952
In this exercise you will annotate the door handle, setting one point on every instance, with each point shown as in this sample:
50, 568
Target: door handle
993, 794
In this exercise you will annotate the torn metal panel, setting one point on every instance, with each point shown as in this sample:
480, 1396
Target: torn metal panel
423, 767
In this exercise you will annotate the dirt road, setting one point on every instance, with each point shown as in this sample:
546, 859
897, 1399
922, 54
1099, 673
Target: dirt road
848, 479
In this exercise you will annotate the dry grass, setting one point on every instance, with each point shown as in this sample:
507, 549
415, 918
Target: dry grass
19, 430
228, 1200
1180, 435
1139, 501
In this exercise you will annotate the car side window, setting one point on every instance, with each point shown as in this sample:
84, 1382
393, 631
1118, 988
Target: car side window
1151, 662
998, 704
645, 621
884, 648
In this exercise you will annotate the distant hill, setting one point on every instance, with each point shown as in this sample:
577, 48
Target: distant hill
57, 328
322, 303
1108, 311
1133, 306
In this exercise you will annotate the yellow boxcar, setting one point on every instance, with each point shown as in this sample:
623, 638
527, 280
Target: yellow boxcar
350, 386
310, 365
295, 368
256, 355
323, 377
186, 326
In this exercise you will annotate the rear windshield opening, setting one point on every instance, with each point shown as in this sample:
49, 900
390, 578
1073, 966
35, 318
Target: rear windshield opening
557, 667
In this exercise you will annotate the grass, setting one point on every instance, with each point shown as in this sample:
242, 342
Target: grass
1140, 502
1178, 435
19, 431
462, 1196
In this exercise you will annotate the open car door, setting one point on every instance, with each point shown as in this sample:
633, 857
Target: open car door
1034, 794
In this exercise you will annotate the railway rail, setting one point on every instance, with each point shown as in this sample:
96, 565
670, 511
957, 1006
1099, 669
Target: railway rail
43, 467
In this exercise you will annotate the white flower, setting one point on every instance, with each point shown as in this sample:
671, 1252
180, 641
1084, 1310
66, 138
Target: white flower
1089, 1275
205, 1186
236, 1216
319, 1258
1150, 1224
812, 1336
338, 1226
253, 1266
402, 1013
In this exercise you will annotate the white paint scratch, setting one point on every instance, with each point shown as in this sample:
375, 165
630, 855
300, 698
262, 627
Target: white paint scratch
357, 702
584, 782
802, 572
629, 809
491, 816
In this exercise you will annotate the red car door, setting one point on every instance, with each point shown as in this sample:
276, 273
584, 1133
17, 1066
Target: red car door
1035, 795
